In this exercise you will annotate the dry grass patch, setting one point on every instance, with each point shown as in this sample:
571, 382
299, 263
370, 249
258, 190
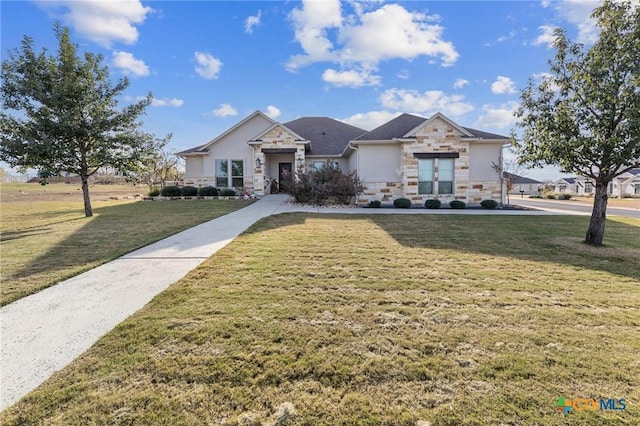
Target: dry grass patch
396, 320
45, 237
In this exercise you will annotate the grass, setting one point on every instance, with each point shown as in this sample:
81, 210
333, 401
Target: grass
373, 320
45, 237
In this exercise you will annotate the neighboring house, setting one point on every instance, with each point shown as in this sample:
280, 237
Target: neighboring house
523, 185
410, 156
625, 185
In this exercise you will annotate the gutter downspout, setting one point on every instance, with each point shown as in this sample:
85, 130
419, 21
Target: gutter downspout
357, 164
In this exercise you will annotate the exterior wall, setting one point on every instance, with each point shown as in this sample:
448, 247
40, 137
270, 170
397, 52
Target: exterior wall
482, 156
193, 167
379, 172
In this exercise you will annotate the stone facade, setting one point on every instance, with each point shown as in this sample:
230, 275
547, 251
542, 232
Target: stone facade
437, 137
276, 138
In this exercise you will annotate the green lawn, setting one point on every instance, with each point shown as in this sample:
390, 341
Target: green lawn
45, 237
374, 320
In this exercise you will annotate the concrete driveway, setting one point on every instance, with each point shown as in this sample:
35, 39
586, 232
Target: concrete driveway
42, 333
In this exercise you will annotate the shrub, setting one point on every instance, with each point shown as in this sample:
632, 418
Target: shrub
208, 191
457, 204
319, 185
489, 204
374, 204
535, 196
228, 192
550, 196
402, 203
154, 192
189, 191
432, 204
170, 191
564, 196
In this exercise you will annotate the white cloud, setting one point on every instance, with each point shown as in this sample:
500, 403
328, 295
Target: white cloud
503, 85
370, 120
208, 66
500, 117
225, 110
394, 32
351, 78
172, 102
546, 37
273, 111
578, 13
103, 22
404, 74
362, 40
460, 83
251, 22
130, 65
575, 12
429, 102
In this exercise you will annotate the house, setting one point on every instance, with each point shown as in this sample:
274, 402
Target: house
521, 185
410, 156
624, 185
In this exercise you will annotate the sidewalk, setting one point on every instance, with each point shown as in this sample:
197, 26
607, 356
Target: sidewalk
42, 333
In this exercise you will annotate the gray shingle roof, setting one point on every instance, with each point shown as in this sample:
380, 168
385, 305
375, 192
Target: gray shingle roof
521, 179
327, 136
403, 124
396, 128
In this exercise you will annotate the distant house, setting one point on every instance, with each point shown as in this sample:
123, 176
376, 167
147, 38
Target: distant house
523, 185
625, 185
410, 156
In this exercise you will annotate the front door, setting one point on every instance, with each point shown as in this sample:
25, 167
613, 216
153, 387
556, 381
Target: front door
284, 172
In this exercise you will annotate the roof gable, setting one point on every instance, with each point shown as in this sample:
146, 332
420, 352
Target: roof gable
202, 149
437, 117
278, 129
408, 125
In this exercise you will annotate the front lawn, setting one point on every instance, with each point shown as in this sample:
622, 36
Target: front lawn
45, 237
374, 320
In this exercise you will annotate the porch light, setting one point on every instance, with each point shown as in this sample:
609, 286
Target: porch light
300, 162
258, 163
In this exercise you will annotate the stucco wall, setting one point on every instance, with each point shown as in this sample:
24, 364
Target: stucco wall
481, 157
193, 167
379, 163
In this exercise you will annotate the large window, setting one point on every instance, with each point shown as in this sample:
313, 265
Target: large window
222, 173
445, 176
236, 179
237, 173
425, 176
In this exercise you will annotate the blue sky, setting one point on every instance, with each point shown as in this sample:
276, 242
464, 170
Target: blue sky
209, 64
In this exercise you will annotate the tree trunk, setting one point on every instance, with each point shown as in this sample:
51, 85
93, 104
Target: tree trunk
595, 233
88, 212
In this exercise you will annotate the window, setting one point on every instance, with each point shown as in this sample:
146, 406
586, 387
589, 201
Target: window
236, 179
445, 176
319, 165
588, 187
237, 173
425, 176
562, 188
222, 173
636, 189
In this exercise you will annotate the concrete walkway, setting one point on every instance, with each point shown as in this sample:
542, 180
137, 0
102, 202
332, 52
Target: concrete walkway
42, 333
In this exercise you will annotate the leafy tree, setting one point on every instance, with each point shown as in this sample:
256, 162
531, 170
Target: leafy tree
585, 116
63, 114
